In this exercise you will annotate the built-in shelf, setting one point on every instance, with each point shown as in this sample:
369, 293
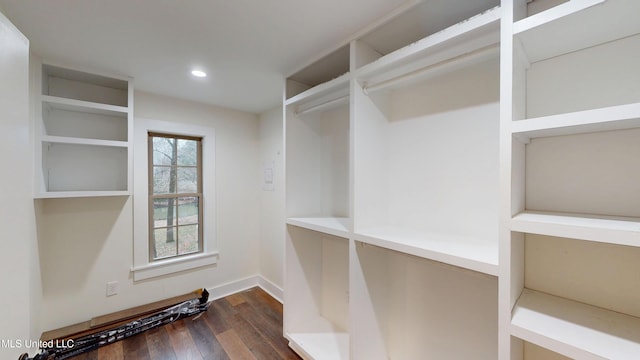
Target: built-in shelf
575, 25
461, 251
319, 346
328, 68
574, 329
332, 89
81, 105
47, 139
602, 119
83, 144
473, 40
330, 225
611, 230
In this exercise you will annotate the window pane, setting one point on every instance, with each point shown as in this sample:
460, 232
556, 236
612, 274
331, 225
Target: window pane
188, 211
187, 180
162, 246
164, 212
164, 151
162, 180
188, 239
187, 152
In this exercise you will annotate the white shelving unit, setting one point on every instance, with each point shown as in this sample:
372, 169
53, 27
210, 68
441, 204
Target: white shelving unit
570, 229
393, 160
83, 137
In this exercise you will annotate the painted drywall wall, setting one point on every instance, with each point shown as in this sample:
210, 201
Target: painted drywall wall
88, 242
272, 201
19, 278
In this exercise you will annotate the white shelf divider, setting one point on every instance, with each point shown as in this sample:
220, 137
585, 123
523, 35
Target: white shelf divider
575, 25
574, 329
611, 230
79, 194
336, 226
465, 252
603, 119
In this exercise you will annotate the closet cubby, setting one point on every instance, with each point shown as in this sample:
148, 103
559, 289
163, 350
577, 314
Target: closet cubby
405, 307
83, 134
413, 26
580, 299
317, 296
426, 166
318, 158
330, 67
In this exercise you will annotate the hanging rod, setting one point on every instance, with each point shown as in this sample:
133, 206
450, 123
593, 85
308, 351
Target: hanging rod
425, 70
324, 105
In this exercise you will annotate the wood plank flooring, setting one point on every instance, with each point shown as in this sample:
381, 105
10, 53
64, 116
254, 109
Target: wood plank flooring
243, 326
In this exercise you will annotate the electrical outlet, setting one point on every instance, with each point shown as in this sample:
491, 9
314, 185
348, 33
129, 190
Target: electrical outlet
112, 288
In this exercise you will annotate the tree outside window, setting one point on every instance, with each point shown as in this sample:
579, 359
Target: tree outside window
175, 195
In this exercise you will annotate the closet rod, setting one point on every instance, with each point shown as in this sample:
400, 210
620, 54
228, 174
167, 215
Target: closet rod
478, 53
321, 106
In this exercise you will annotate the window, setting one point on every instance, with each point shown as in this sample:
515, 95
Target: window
175, 195
174, 218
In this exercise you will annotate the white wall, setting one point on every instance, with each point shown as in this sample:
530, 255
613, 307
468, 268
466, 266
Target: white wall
272, 202
88, 242
19, 275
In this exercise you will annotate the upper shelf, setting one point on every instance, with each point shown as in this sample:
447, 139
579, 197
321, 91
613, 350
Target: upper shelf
612, 230
323, 93
330, 67
460, 251
469, 40
575, 25
574, 329
63, 103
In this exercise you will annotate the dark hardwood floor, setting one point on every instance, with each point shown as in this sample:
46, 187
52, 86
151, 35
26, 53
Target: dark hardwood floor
246, 325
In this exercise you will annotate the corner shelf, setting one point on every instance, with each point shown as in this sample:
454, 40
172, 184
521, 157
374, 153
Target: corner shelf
460, 251
83, 135
574, 329
575, 25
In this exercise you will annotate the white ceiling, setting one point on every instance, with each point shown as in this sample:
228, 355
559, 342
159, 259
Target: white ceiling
246, 46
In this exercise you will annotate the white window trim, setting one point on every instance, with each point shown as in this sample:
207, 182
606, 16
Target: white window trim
143, 268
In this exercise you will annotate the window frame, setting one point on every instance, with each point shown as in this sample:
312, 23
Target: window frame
142, 268
177, 195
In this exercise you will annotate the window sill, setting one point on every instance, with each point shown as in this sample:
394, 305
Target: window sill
174, 265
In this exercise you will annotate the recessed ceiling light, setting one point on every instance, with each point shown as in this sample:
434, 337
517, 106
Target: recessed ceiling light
198, 73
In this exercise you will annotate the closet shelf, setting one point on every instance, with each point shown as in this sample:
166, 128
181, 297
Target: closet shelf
79, 194
604, 229
575, 25
334, 88
469, 35
337, 226
465, 252
574, 329
82, 141
601, 119
329, 345
84, 106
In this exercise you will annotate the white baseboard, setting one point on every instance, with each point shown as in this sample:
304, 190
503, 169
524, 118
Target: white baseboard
233, 287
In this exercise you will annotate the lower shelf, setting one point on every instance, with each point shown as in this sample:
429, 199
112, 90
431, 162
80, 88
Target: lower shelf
575, 329
461, 251
330, 346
